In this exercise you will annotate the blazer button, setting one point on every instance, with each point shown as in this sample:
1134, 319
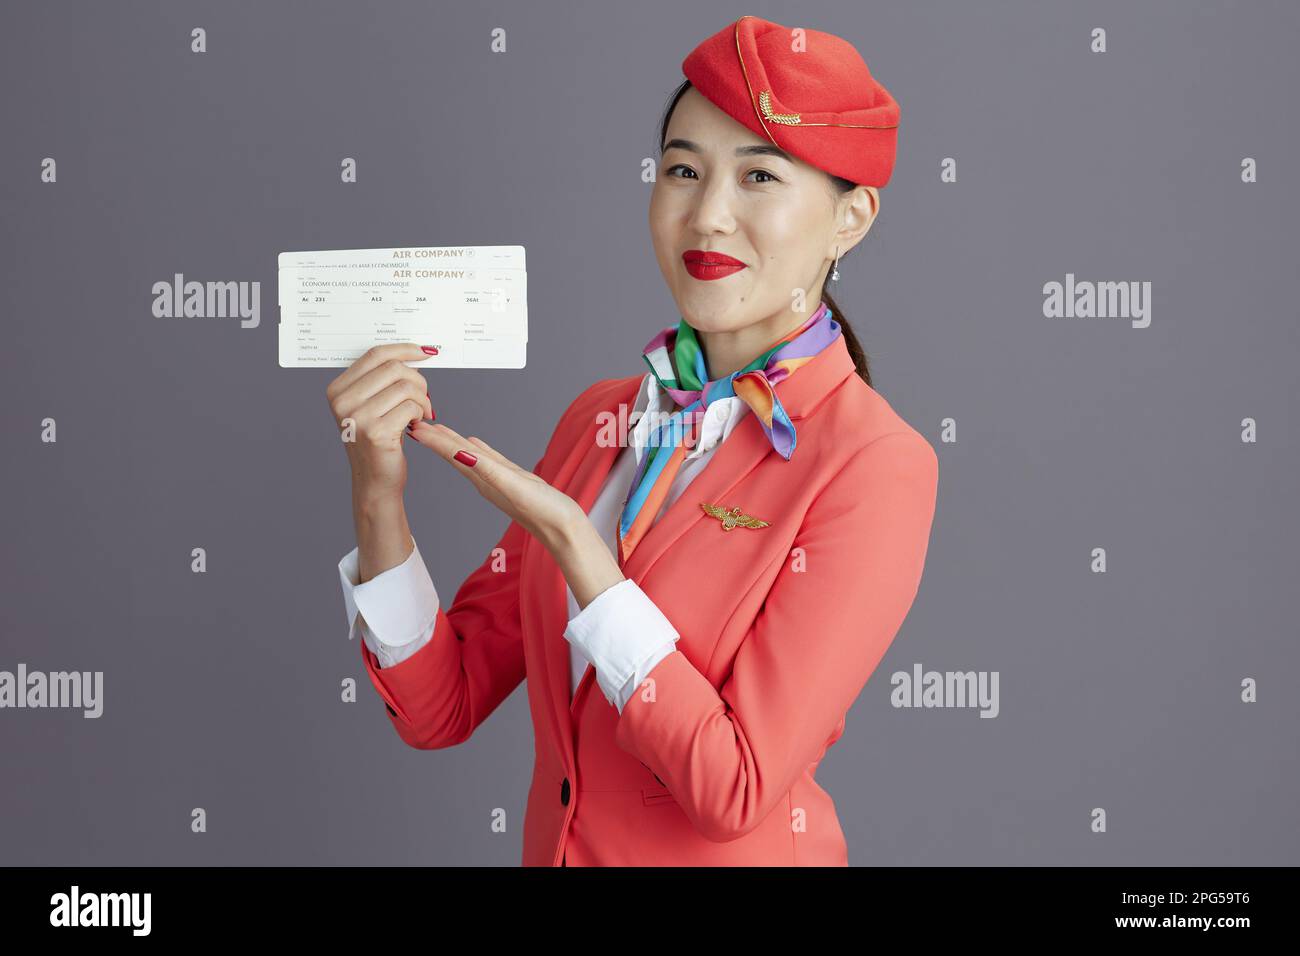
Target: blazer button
390, 708
564, 792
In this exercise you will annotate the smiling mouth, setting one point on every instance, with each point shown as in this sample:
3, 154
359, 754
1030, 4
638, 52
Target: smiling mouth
710, 265
710, 258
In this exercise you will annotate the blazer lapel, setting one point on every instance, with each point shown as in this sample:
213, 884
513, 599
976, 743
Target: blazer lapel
584, 472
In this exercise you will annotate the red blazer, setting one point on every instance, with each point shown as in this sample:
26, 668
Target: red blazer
712, 761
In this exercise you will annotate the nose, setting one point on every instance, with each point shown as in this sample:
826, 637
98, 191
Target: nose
713, 212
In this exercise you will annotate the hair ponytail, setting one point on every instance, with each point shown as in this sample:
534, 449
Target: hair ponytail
850, 339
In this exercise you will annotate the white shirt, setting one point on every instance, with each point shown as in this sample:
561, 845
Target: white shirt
621, 633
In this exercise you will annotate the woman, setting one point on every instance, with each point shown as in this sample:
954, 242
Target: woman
725, 546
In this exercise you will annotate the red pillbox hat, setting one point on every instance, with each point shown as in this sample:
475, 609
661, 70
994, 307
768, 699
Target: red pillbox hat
811, 94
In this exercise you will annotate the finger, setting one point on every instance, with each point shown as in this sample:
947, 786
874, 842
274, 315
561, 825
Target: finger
439, 438
374, 357
373, 383
447, 441
483, 448
399, 418
403, 397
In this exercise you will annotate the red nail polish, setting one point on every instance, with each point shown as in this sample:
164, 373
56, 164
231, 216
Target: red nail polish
465, 458
429, 349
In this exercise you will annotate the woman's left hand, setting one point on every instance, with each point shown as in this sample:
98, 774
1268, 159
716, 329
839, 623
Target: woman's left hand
547, 513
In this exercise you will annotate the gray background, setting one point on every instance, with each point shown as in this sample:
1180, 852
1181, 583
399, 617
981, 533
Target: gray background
222, 689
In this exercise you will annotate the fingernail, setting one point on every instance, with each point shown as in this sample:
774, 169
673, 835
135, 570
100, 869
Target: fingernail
429, 349
465, 458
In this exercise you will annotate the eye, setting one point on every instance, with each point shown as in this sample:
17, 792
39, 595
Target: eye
672, 170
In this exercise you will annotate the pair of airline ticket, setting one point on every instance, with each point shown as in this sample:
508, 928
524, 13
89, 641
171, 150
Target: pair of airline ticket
468, 302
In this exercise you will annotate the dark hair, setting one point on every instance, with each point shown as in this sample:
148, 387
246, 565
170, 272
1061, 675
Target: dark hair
841, 186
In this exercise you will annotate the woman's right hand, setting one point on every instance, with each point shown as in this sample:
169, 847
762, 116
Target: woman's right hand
373, 400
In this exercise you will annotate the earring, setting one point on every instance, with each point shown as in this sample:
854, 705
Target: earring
835, 271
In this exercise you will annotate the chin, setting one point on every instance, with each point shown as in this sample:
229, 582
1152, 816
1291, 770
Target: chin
712, 309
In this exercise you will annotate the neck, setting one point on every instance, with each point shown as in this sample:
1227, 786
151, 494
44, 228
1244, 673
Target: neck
727, 352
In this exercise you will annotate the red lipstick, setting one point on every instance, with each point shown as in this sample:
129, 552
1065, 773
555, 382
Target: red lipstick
709, 265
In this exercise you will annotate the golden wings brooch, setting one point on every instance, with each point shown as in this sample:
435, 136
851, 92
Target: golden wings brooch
735, 518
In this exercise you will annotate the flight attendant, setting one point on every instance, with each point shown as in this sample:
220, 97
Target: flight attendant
711, 556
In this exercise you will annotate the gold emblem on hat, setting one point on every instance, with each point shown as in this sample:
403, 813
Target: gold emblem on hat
764, 108
765, 104
735, 518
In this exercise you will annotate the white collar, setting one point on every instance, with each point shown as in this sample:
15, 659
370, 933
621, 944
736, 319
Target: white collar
653, 398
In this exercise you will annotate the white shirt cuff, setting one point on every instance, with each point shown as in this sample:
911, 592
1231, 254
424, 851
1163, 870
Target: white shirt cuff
623, 635
395, 611
642, 671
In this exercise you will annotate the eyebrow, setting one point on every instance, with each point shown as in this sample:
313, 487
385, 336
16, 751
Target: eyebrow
761, 149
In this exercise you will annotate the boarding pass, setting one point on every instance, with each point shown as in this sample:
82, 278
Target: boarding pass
469, 302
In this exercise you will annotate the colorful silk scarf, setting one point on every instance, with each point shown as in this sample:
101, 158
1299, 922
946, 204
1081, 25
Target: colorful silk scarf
669, 443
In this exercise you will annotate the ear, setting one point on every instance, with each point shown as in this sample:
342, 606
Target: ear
855, 213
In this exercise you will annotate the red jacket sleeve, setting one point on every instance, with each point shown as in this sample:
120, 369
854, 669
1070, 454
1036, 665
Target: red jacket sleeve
730, 755
438, 696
